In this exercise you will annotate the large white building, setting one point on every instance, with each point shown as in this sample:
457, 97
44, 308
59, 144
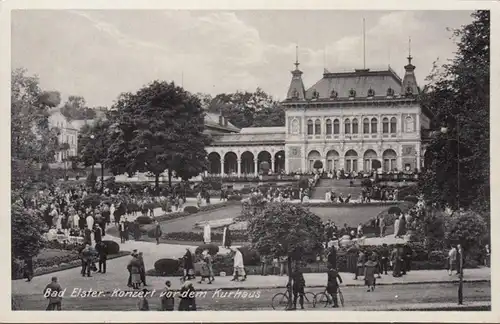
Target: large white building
345, 120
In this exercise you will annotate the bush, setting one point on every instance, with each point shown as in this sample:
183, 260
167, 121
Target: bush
245, 190
144, 220
167, 267
212, 249
318, 164
250, 256
91, 180
234, 198
112, 247
191, 209
411, 199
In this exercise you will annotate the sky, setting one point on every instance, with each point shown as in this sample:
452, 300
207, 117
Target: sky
99, 54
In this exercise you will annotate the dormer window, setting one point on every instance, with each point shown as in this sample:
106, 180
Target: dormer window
295, 94
334, 94
315, 94
352, 93
390, 92
371, 92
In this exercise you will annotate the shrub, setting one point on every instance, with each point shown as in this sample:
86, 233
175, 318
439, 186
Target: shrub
318, 164
234, 198
143, 220
245, 190
250, 256
91, 180
112, 247
167, 267
213, 249
191, 209
411, 199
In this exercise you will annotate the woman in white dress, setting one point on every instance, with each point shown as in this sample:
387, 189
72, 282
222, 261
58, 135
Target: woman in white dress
396, 228
207, 233
239, 267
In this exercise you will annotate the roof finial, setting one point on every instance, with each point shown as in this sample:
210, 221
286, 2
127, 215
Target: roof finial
409, 51
297, 57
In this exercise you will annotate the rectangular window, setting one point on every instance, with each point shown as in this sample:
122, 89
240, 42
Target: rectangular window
366, 128
309, 129
336, 129
317, 129
393, 164
355, 165
328, 129
355, 128
367, 165
387, 165
385, 128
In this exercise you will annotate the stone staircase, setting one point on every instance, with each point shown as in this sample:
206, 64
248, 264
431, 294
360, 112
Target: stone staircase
339, 186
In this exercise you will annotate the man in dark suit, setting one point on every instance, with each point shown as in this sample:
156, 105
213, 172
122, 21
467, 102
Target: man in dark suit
103, 256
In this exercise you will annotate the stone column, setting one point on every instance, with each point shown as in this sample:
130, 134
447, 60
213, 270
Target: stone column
272, 164
399, 158
256, 166
222, 165
239, 167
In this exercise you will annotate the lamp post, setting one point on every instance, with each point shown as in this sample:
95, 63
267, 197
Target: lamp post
444, 130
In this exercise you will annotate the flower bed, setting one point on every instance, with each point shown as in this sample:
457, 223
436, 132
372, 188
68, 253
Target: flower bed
175, 215
236, 236
55, 262
217, 223
350, 204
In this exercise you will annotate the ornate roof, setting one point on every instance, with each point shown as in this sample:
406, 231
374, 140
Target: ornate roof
357, 84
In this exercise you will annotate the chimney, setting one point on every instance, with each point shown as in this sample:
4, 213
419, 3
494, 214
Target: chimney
221, 120
225, 121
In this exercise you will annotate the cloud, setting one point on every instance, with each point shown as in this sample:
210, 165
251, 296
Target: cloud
99, 54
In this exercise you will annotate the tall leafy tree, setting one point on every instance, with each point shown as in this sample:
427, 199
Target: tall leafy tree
246, 109
458, 169
33, 143
285, 230
75, 108
158, 128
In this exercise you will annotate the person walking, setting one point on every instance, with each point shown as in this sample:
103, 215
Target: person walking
97, 234
384, 261
239, 267
157, 232
188, 265
134, 268
452, 259
226, 238
167, 298
53, 293
360, 264
371, 268
298, 285
143, 303
332, 285
187, 295
142, 268
121, 228
103, 256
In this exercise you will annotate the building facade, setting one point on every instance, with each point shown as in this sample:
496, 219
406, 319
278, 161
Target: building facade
67, 133
345, 120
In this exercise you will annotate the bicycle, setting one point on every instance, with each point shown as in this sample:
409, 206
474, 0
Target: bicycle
280, 300
325, 298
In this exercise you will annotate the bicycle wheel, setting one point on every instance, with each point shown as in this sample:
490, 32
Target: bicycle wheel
321, 299
309, 300
279, 301
341, 297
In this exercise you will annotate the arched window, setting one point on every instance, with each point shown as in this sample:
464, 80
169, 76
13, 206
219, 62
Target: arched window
347, 126
310, 129
393, 125
366, 126
374, 125
385, 125
390, 92
336, 126
355, 126
328, 127
317, 127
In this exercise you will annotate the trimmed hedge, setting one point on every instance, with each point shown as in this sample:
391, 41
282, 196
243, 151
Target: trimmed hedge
144, 220
234, 198
167, 267
236, 236
212, 249
112, 247
191, 209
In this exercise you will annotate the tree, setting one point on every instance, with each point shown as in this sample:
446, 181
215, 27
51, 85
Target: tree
459, 97
75, 108
93, 143
27, 228
157, 128
33, 142
467, 229
286, 230
246, 109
